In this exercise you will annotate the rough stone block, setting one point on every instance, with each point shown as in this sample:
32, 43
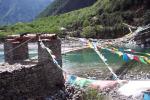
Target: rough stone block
30, 81
15, 52
54, 45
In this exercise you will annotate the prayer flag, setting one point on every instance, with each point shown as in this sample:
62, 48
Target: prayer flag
121, 49
115, 49
130, 56
125, 57
119, 53
136, 58
94, 45
82, 82
71, 79
148, 54
53, 56
148, 60
132, 51
90, 45
142, 60
83, 40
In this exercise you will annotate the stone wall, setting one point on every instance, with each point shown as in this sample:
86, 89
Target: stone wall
31, 79
15, 52
30, 82
55, 45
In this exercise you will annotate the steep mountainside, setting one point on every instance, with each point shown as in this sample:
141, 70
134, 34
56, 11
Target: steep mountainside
104, 19
63, 6
12, 11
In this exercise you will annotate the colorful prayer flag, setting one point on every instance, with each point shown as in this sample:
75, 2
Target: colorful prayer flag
130, 56
148, 54
125, 57
119, 53
136, 58
146, 59
142, 60
90, 45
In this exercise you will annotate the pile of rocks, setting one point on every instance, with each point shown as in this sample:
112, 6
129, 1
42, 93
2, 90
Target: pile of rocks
69, 93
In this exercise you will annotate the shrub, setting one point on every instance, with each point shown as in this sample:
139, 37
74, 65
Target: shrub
146, 3
107, 19
92, 94
128, 16
88, 32
147, 17
86, 23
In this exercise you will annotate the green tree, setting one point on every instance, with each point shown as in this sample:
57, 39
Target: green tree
86, 23
88, 32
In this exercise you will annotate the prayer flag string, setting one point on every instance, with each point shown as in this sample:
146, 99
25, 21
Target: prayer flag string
94, 46
52, 56
127, 56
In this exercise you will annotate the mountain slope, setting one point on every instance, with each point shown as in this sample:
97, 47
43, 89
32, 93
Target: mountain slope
12, 11
104, 19
63, 6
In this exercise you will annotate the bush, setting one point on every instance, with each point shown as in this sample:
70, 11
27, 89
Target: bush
128, 16
86, 23
92, 94
88, 32
107, 19
147, 17
146, 3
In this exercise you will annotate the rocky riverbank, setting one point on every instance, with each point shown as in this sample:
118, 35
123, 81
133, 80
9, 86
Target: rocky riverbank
138, 72
75, 93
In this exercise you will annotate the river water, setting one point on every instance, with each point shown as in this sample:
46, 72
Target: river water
32, 51
87, 58
78, 60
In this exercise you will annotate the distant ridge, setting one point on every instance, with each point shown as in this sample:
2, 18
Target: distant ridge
63, 6
12, 11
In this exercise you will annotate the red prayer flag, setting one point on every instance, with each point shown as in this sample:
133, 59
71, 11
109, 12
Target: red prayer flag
136, 58
132, 51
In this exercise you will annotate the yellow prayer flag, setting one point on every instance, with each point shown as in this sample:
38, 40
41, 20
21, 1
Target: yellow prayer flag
119, 53
114, 49
129, 34
146, 59
148, 54
90, 45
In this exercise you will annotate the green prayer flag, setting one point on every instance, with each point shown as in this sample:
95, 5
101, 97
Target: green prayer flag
83, 82
142, 60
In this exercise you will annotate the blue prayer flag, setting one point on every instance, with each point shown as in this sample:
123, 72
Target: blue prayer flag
125, 57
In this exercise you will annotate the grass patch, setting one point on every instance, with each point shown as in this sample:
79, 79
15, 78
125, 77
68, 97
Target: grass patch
92, 94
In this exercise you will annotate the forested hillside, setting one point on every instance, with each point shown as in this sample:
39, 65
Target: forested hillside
104, 19
63, 6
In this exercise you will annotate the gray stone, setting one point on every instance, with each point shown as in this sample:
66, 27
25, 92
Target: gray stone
34, 80
14, 52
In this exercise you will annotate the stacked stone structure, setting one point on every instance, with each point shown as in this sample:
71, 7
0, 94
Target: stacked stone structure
22, 79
